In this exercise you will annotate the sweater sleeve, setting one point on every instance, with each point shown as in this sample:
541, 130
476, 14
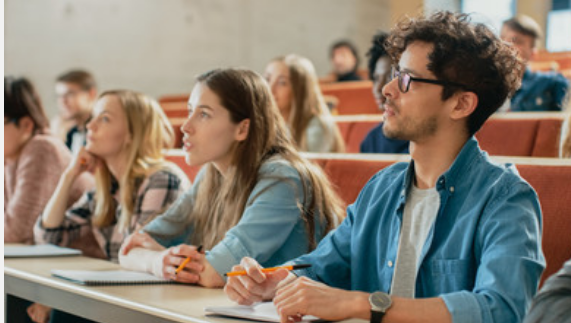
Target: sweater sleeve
36, 176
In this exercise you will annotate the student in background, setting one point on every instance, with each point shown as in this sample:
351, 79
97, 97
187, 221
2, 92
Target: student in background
437, 233
33, 161
134, 183
76, 93
255, 196
345, 61
125, 141
553, 302
295, 89
539, 91
380, 72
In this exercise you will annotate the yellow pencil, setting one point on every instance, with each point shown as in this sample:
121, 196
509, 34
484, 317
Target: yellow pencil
267, 270
185, 262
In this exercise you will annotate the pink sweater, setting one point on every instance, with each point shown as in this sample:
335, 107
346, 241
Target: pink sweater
29, 183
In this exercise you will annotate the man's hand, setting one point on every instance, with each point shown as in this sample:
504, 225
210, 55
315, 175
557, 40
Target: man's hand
304, 296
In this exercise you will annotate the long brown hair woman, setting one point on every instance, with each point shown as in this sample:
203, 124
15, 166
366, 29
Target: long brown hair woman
255, 196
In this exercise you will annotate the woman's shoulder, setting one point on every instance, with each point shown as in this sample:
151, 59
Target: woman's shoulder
168, 177
277, 166
45, 143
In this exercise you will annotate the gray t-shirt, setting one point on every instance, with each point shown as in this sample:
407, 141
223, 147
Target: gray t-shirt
420, 212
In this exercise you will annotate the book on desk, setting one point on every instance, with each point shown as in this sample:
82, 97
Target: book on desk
109, 277
42, 250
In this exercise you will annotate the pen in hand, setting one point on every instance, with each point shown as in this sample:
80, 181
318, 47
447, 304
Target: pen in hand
186, 261
267, 270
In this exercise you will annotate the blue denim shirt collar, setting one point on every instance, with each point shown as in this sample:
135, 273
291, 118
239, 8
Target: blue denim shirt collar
469, 153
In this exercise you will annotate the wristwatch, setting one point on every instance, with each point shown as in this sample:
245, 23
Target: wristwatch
380, 303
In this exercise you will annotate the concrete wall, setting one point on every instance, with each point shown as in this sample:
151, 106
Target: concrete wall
157, 47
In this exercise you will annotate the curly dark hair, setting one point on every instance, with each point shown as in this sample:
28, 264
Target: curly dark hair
464, 53
376, 51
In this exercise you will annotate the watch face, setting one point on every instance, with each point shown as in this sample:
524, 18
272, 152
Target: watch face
380, 301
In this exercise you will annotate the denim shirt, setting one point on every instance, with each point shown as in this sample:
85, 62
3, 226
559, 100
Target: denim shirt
271, 229
540, 92
482, 255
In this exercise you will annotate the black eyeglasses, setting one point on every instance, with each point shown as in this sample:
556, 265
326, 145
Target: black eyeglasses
404, 80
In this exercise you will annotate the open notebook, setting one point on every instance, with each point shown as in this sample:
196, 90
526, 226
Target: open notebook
265, 312
109, 277
42, 250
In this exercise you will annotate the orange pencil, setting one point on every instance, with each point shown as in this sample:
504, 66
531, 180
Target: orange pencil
185, 262
267, 270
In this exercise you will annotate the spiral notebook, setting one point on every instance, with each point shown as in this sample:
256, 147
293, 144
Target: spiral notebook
265, 312
108, 277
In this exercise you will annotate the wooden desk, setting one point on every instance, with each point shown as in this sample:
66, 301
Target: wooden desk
31, 279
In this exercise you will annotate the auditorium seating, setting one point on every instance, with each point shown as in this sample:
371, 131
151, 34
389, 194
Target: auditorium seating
548, 176
563, 59
174, 106
354, 97
351, 98
509, 134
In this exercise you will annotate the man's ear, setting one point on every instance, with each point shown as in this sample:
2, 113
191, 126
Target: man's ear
243, 130
466, 103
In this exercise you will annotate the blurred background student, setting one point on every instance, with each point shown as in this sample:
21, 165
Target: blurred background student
125, 141
295, 89
539, 91
76, 92
344, 61
33, 161
380, 70
255, 196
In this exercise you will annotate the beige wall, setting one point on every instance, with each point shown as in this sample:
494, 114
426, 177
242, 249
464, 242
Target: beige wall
537, 10
157, 47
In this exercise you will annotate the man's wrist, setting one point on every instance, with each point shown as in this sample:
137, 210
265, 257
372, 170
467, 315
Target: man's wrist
359, 306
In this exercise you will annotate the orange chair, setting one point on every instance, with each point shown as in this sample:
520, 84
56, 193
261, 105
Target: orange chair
354, 97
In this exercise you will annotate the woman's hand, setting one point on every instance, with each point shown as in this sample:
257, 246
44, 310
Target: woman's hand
84, 161
255, 286
140, 240
169, 260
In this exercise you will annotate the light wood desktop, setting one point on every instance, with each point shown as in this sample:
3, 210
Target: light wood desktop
31, 279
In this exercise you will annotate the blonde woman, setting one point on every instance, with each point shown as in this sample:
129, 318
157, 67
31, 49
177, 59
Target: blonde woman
125, 138
254, 197
295, 88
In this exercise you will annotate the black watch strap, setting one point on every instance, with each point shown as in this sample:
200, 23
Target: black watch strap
377, 316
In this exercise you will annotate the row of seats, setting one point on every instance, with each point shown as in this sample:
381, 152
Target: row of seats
513, 134
349, 97
549, 177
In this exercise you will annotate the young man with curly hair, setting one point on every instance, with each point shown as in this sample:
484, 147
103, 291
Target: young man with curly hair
448, 237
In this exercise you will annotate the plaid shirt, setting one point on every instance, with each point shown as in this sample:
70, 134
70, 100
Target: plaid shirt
155, 194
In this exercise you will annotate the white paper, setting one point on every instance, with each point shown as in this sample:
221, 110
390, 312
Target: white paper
259, 312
